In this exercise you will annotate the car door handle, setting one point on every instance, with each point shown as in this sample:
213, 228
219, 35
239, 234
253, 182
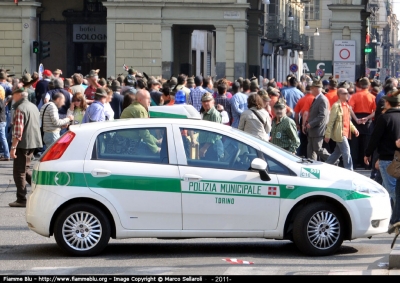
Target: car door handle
192, 177
100, 173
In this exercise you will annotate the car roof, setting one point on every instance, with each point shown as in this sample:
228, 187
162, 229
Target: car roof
145, 121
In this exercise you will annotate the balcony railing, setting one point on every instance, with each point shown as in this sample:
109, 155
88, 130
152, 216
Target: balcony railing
288, 34
295, 37
274, 28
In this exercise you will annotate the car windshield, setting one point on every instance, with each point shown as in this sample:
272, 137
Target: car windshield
270, 146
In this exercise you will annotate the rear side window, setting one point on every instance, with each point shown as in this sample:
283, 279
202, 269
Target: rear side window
132, 145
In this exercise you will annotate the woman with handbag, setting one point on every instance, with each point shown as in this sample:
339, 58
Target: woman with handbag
255, 120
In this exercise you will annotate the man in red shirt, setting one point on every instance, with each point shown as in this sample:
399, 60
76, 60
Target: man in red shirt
332, 93
90, 91
364, 106
301, 109
339, 129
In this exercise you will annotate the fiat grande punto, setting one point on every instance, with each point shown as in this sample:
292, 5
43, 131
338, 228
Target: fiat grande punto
143, 178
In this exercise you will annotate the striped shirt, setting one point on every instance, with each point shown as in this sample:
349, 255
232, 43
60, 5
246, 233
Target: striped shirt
51, 119
195, 97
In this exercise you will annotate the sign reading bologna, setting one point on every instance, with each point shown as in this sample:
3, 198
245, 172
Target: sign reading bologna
90, 33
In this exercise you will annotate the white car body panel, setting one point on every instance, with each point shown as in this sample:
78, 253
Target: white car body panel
175, 215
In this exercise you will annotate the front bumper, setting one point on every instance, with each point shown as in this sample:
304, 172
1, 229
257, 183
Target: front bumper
40, 208
368, 211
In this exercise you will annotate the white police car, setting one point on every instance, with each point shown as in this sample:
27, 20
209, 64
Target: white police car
139, 178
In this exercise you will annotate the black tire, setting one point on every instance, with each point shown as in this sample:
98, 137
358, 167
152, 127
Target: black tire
92, 234
328, 235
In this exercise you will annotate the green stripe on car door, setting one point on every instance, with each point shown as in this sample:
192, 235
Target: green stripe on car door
112, 182
171, 185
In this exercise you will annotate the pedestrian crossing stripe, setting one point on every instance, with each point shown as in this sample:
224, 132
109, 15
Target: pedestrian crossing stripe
237, 261
310, 173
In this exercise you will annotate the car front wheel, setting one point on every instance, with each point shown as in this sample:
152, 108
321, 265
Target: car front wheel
318, 229
82, 230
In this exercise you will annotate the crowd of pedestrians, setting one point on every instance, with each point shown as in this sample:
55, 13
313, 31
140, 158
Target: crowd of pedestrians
348, 124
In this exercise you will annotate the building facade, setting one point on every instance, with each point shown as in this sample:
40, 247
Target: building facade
285, 41
155, 37
383, 53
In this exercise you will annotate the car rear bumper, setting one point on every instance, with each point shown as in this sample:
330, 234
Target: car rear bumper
40, 208
371, 216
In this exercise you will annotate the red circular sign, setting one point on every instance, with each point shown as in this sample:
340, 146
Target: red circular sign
344, 54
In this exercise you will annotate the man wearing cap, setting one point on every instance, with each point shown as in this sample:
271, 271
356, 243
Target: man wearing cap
31, 93
291, 94
95, 112
52, 123
254, 87
173, 82
316, 125
155, 94
364, 106
284, 132
117, 99
42, 87
26, 138
383, 138
332, 94
57, 73
91, 90
339, 129
190, 83
210, 145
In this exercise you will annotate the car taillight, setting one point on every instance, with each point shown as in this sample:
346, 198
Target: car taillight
58, 148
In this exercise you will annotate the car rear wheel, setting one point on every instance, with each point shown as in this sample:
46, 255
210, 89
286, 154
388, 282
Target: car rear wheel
82, 230
318, 229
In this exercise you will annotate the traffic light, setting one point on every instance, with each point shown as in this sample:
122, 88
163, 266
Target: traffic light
44, 49
368, 49
35, 47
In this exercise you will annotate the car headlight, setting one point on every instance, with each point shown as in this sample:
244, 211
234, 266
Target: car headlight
368, 189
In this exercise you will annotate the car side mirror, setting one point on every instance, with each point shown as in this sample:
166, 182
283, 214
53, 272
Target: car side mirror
261, 166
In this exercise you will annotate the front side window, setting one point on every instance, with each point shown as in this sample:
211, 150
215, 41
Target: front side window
213, 150
147, 145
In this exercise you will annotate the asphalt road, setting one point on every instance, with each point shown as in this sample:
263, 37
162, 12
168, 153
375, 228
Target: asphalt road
24, 252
